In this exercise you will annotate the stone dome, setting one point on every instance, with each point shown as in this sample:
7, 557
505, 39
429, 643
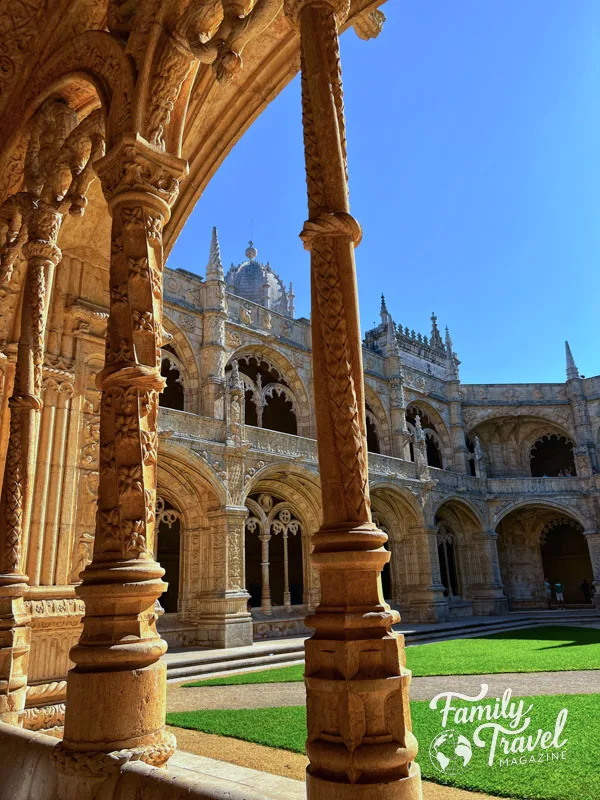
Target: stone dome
257, 282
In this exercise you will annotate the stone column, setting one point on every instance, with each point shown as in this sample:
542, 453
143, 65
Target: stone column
489, 596
360, 743
25, 405
265, 589
593, 542
287, 597
425, 592
117, 689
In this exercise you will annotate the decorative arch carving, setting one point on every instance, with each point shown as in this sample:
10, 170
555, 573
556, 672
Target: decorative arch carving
289, 380
95, 57
379, 415
186, 364
562, 509
436, 424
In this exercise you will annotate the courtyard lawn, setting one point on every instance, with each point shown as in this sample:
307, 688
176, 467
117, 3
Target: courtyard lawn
542, 649
574, 777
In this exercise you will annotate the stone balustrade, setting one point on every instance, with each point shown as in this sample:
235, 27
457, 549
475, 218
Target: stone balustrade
185, 425
535, 486
282, 444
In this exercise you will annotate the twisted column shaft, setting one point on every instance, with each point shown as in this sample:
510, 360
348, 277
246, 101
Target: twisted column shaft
359, 730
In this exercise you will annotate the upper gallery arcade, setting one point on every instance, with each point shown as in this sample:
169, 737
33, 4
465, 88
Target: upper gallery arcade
274, 467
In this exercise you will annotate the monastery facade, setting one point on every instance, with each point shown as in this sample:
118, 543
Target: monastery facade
483, 490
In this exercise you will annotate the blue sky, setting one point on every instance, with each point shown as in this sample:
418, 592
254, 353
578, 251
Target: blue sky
474, 157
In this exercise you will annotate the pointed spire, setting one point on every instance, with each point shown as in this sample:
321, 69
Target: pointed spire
291, 298
449, 348
452, 360
384, 313
436, 339
572, 371
214, 268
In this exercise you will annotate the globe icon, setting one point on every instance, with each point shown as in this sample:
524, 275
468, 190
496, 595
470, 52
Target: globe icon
450, 752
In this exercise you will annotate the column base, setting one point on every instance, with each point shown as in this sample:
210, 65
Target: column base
404, 789
490, 601
15, 644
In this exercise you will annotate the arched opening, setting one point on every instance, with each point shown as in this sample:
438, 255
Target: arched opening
253, 565
552, 456
470, 455
278, 414
566, 558
434, 455
373, 445
274, 567
432, 440
446, 542
537, 542
168, 551
250, 414
172, 395
269, 401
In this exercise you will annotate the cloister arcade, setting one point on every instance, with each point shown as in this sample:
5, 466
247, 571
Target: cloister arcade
523, 446
538, 541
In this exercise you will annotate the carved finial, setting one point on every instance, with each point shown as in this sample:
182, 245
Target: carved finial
436, 339
251, 251
453, 362
214, 269
291, 298
449, 348
572, 371
384, 313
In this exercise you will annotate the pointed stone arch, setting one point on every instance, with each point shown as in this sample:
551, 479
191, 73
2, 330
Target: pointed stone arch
438, 429
375, 407
286, 370
187, 363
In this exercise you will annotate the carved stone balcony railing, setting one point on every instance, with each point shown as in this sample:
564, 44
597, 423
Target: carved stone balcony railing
538, 486
394, 467
194, 427
457, 481
190, 426
282, 444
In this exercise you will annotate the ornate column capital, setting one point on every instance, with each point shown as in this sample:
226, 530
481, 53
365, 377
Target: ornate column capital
134, 171
293, 9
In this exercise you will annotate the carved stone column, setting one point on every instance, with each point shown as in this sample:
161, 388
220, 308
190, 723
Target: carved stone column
489, 596
425, 592
287, 597
360, 743
593, 543
265, 589
117, 689
25, 404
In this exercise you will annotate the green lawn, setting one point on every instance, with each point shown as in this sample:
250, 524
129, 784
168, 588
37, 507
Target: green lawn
575, 778
542, 649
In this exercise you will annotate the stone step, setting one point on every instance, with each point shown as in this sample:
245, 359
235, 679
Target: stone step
213, 663
179, 672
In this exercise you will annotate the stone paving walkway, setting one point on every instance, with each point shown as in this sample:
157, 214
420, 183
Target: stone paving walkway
268, 695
